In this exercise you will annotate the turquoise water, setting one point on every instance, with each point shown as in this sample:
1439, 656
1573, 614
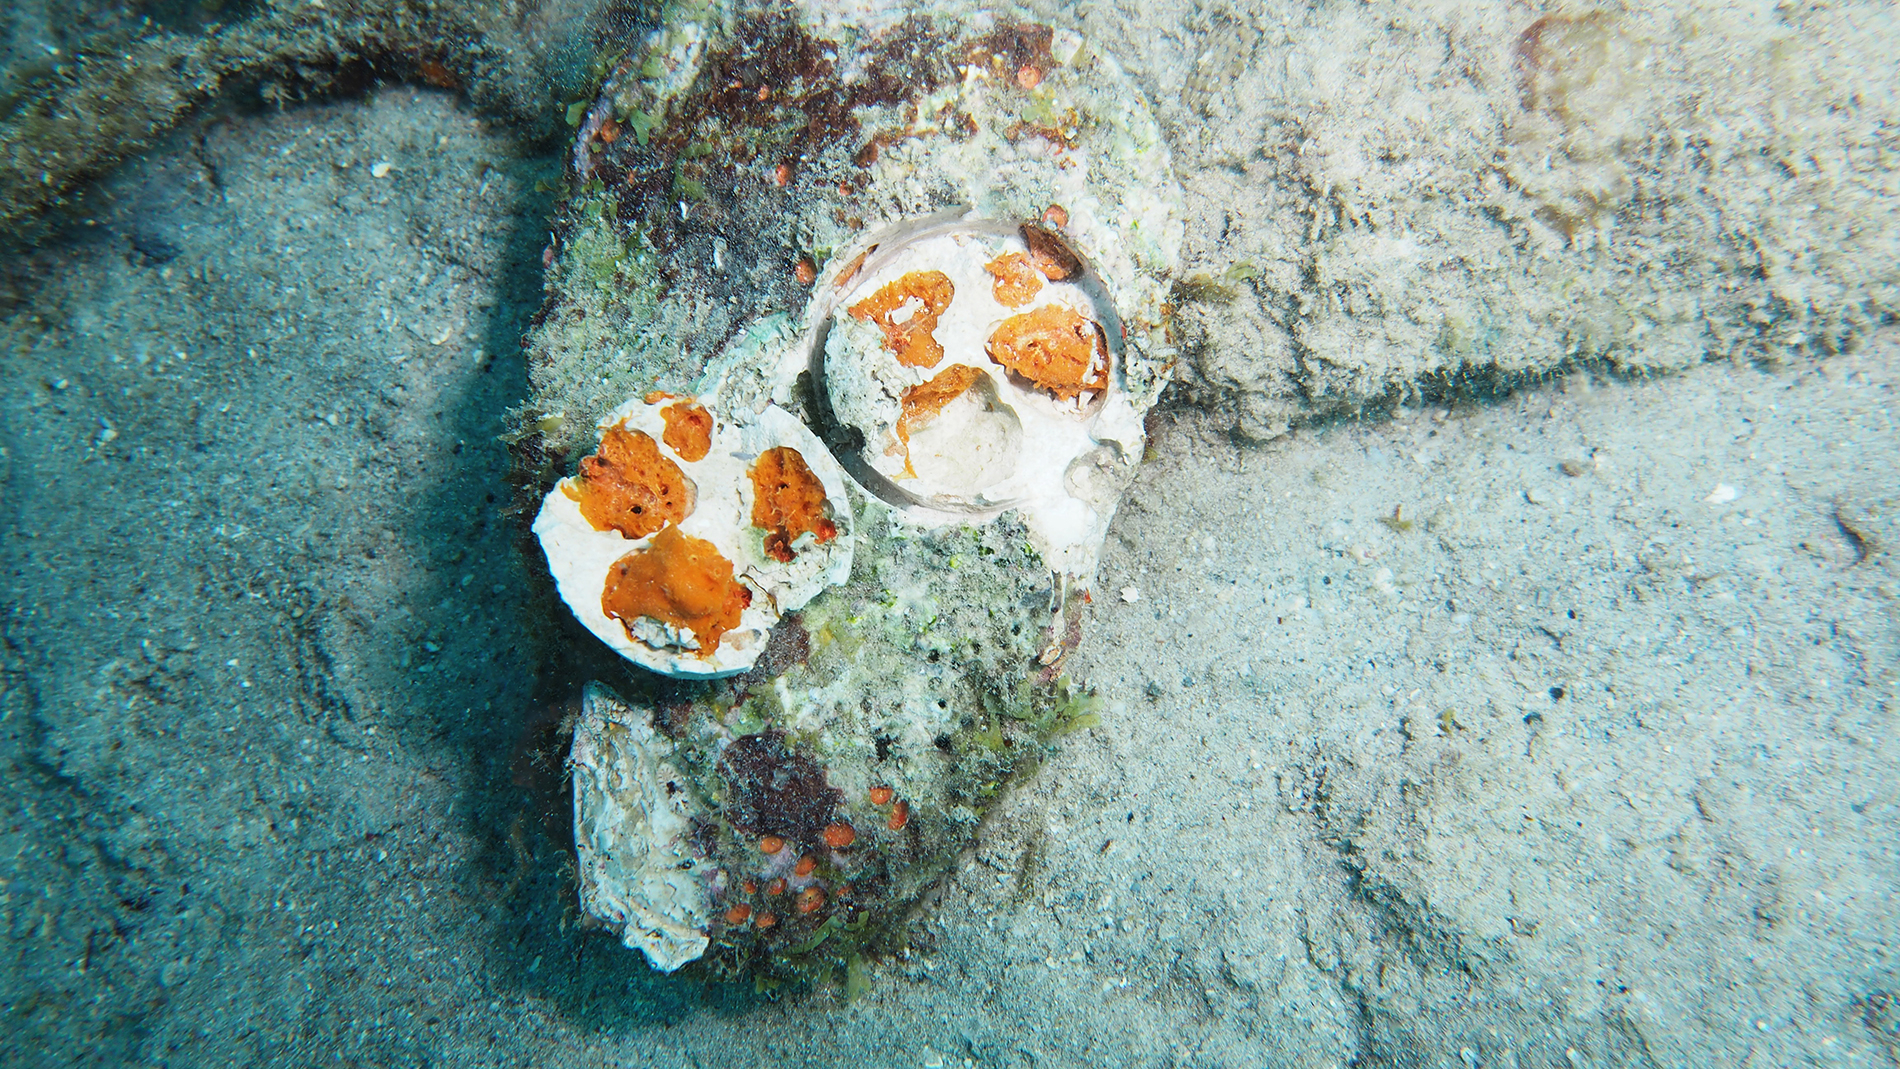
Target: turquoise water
1533, 712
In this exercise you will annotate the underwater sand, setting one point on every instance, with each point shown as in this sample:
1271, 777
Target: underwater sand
1549, 730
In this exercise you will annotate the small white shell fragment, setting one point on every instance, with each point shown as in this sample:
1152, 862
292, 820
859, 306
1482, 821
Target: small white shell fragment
1722, 494
633, 815
1130, 595
580, 557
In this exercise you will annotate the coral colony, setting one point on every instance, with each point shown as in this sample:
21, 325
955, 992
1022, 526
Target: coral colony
856, 527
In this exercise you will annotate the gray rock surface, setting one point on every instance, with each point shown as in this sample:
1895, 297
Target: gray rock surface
1336, 813
1395, 201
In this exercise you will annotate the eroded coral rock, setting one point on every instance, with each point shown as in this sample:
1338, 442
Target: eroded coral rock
923, 386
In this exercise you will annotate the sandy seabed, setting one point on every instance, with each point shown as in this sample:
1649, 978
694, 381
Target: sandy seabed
1551, 730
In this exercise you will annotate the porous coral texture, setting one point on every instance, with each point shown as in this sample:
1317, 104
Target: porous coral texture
688, 430
627, 486
1054, 348
923, 295
681, 581
1017, 281
788, 501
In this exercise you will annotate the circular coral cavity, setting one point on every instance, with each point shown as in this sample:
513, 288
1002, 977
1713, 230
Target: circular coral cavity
840, 835
771, 844
900, 816
810, 900
881, 795
663, 450
961, 367
805, 866
738, 914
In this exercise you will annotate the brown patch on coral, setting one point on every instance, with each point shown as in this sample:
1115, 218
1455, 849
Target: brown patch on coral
1017, 281
688, 430
787, 501
680, 581
772, 789
1011, 46
912, 339
1051, 255
627, 486
925, 401
1054, 348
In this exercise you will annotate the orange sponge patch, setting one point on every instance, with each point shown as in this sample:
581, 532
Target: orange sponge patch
1054, 348
911, 339
1017, 280
627, 486
680, 581
688, 430
787, 501
924, 402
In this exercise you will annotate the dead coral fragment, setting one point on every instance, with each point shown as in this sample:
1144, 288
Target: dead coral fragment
1054, 348
627, 486
688, 430
682, 582
925, 401
1017, 281
787, 501
910, 338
